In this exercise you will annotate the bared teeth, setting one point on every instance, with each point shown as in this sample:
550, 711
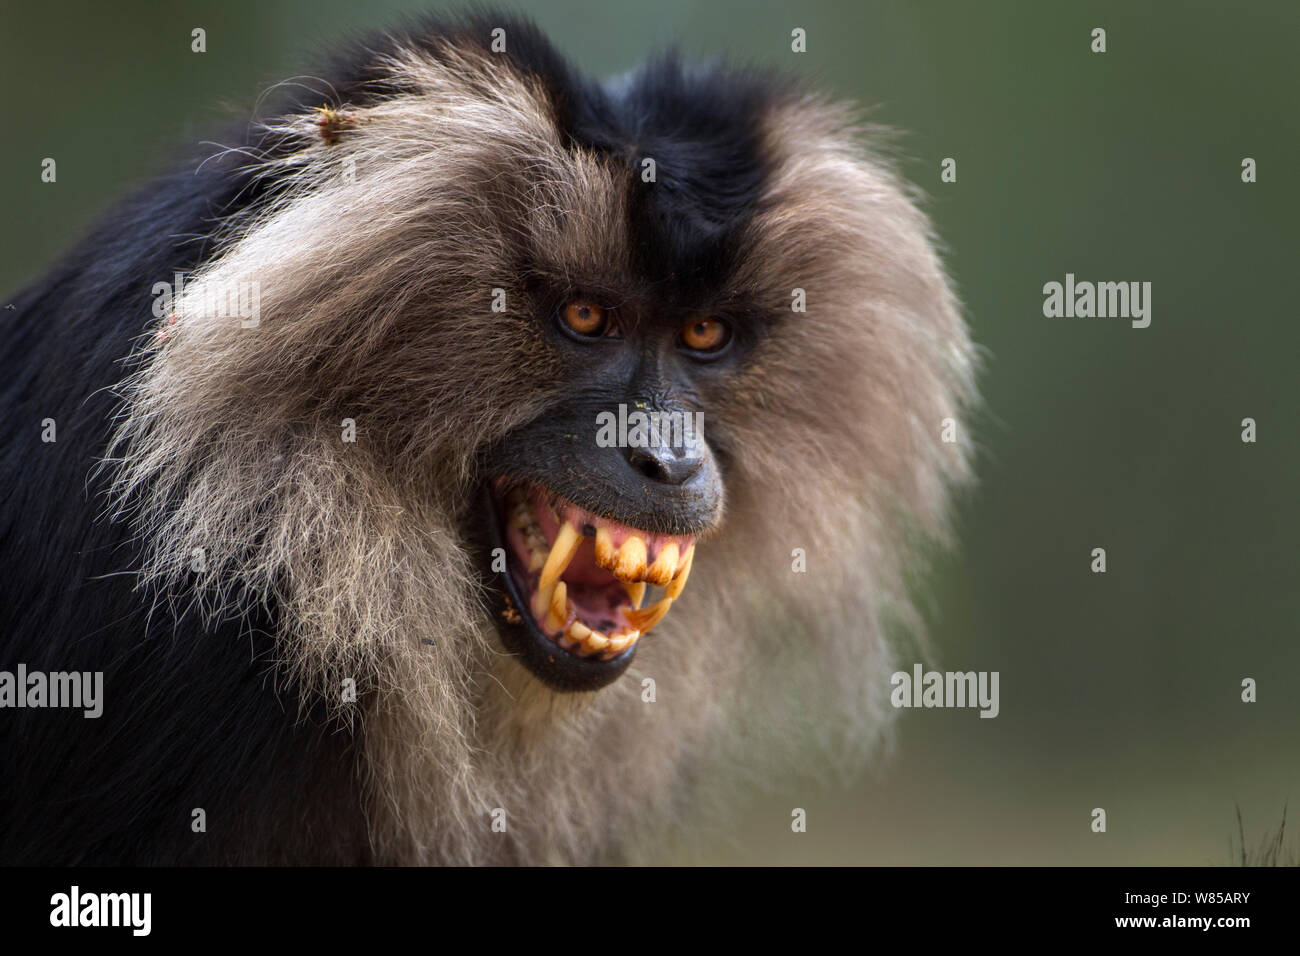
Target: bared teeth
665, 565
619, 643
635, 592
630, 565
595, 642
646, 618
559, 609
604, 548
586, 641
675, 586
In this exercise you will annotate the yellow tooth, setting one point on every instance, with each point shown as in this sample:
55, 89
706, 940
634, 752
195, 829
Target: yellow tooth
604, 548
559, 608
562, 552
595, 641
618, 645
675, 586
635, 592
631, 560
646, 618
661, 572
578, 631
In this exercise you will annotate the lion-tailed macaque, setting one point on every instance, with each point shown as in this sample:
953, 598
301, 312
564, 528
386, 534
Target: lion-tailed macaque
471, 462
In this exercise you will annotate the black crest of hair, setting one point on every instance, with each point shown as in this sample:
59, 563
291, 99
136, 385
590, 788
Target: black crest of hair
199, 719
697, 122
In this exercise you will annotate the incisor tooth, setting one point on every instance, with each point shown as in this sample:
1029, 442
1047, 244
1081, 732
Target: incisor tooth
578, 631
595, 641
648, 617
661, 572
675, 586
604, 548
562, 552
619, 644
631, 560
635, 592
559, 609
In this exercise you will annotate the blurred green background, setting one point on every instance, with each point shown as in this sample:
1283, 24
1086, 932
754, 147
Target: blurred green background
1119, 690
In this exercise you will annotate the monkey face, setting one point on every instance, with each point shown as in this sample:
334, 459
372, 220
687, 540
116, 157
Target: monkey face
596, 506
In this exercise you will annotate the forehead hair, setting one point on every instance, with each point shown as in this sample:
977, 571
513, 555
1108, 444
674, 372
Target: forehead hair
684, 144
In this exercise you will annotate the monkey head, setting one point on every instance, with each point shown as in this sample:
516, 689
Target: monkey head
593, 339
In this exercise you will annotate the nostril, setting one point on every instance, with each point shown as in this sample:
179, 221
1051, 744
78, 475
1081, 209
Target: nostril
663, 465
648, 465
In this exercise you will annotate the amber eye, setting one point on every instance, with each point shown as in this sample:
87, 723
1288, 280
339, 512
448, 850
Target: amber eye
705, 335
585, 318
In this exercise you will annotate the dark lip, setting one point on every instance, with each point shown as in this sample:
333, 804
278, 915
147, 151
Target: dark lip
547, 661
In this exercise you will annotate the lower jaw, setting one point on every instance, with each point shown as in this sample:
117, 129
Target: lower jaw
551, 664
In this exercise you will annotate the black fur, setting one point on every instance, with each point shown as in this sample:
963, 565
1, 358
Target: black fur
196, 719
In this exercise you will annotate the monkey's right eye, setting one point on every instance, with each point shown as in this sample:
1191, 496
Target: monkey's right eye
584, 319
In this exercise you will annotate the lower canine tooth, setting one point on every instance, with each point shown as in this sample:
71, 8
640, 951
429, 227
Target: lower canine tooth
646, 618
631, 560
661, 572
559, 609
635, 592
676, 584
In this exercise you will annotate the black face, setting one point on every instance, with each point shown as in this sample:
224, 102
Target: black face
601, 499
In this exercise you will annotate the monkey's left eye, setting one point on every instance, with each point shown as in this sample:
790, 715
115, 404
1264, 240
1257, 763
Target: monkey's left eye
585, 319
705, 335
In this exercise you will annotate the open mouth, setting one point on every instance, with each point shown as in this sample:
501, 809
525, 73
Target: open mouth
579, 590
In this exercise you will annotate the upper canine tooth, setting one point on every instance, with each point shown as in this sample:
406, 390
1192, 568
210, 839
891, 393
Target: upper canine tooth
562, 552
661, 572
604, 548
631, 560
675, 586
559, 609
648, 617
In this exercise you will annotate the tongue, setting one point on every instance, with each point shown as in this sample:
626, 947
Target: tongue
596, 595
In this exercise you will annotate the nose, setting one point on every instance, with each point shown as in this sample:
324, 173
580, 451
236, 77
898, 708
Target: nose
664, 464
